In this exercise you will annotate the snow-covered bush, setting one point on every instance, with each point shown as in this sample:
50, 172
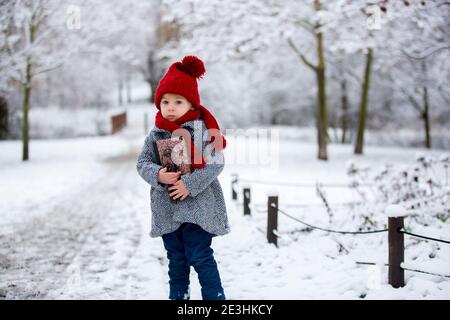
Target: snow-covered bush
422, 188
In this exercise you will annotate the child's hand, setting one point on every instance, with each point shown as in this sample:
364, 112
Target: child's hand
168, 177
179, 190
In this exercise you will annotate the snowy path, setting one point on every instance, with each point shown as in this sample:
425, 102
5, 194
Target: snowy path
89, 247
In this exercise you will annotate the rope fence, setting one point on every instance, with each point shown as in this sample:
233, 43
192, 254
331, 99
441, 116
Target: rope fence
259, 207
303, 185
407, 269
423, 237
329, 230
395, 232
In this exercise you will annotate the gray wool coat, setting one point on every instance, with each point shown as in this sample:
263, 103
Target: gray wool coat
205, 205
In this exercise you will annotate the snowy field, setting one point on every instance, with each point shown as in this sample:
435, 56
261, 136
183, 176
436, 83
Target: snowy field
75, 222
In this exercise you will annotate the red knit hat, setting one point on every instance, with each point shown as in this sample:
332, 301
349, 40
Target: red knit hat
181, 78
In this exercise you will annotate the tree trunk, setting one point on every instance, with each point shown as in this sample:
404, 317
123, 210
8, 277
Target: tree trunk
26, 100
128, 87
152, 79
426, 118
364, 101
319, 70
426, 108
120, 89
322, 115
3, 118
273, 117
344, 101
25, 109
322, 119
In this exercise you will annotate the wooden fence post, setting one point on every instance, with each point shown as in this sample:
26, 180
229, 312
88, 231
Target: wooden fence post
234, 181
396, 252
272, 219
246, 196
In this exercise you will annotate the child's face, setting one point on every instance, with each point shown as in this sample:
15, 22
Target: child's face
174, 106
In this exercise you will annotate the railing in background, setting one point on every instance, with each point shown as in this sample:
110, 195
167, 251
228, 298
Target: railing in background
118, 122
396, 277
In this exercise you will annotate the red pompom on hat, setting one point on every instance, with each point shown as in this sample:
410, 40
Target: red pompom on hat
181, 78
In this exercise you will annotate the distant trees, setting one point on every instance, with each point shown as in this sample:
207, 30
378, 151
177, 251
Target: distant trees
374, 64
71, 55
28, 49
383, 57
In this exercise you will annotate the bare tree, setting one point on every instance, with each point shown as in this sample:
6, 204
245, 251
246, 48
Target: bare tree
319, 70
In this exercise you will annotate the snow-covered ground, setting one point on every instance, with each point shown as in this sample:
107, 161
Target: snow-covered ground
75, 222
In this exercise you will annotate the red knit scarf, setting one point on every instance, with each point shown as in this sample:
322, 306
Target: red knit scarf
210, 123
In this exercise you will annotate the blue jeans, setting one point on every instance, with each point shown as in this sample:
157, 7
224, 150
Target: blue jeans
188, 246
